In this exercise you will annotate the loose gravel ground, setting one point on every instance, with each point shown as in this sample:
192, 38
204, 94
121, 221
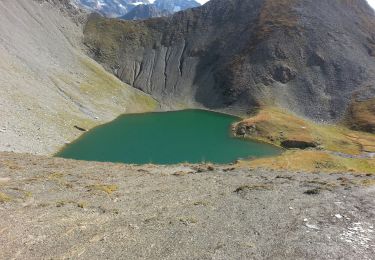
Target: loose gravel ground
55, 209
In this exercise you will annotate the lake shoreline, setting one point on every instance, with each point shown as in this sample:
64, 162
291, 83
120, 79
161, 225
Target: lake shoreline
206, 126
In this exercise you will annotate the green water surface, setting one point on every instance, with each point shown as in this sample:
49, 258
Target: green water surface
166, 138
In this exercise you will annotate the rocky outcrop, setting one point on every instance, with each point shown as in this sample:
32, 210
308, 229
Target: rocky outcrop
298, 144
305, 56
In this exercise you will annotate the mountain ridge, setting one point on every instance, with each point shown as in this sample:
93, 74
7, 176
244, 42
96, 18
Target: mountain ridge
310, 58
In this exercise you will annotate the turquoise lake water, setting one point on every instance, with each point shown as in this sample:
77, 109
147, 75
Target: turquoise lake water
166, 138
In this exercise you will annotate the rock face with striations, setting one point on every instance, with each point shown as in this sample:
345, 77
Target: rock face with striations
311, 57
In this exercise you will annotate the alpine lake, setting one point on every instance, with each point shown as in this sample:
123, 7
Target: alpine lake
192, 136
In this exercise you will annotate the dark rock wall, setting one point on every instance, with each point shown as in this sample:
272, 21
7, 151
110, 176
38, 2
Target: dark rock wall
303, 55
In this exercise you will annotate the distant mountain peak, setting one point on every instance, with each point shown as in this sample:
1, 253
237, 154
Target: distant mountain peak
143, 8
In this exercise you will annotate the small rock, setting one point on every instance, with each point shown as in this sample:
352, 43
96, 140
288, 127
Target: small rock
4, 180
338, 216
305, 220
290, 208
312, 226
80, 128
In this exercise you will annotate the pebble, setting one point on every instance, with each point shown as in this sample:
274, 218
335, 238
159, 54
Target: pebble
338, 216
4, 180
312, 226
290, 208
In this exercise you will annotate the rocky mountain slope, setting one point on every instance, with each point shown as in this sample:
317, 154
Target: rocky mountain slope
314, 58
48, 84
142, 12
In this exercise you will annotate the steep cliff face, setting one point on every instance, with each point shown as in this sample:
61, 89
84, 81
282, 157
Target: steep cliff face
48, 85
310, 57
142, 12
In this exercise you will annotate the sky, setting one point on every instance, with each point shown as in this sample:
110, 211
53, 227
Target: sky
205, 1
371, 2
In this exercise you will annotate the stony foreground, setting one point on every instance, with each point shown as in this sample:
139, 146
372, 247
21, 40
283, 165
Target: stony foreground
53, 209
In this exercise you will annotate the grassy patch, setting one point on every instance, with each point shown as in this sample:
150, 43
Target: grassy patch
82, 205
368, 182
110, 92
55, 176
109, 189
274, 126
188, 220
4, 198
312, 161
12, 165
361, 116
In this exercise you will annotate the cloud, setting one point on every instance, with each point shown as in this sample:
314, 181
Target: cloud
372, 3
205, 1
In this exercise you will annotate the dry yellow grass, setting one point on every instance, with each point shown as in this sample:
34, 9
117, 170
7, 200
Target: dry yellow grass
4, 198
274, 125
109, 189
312, 161
361, 116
